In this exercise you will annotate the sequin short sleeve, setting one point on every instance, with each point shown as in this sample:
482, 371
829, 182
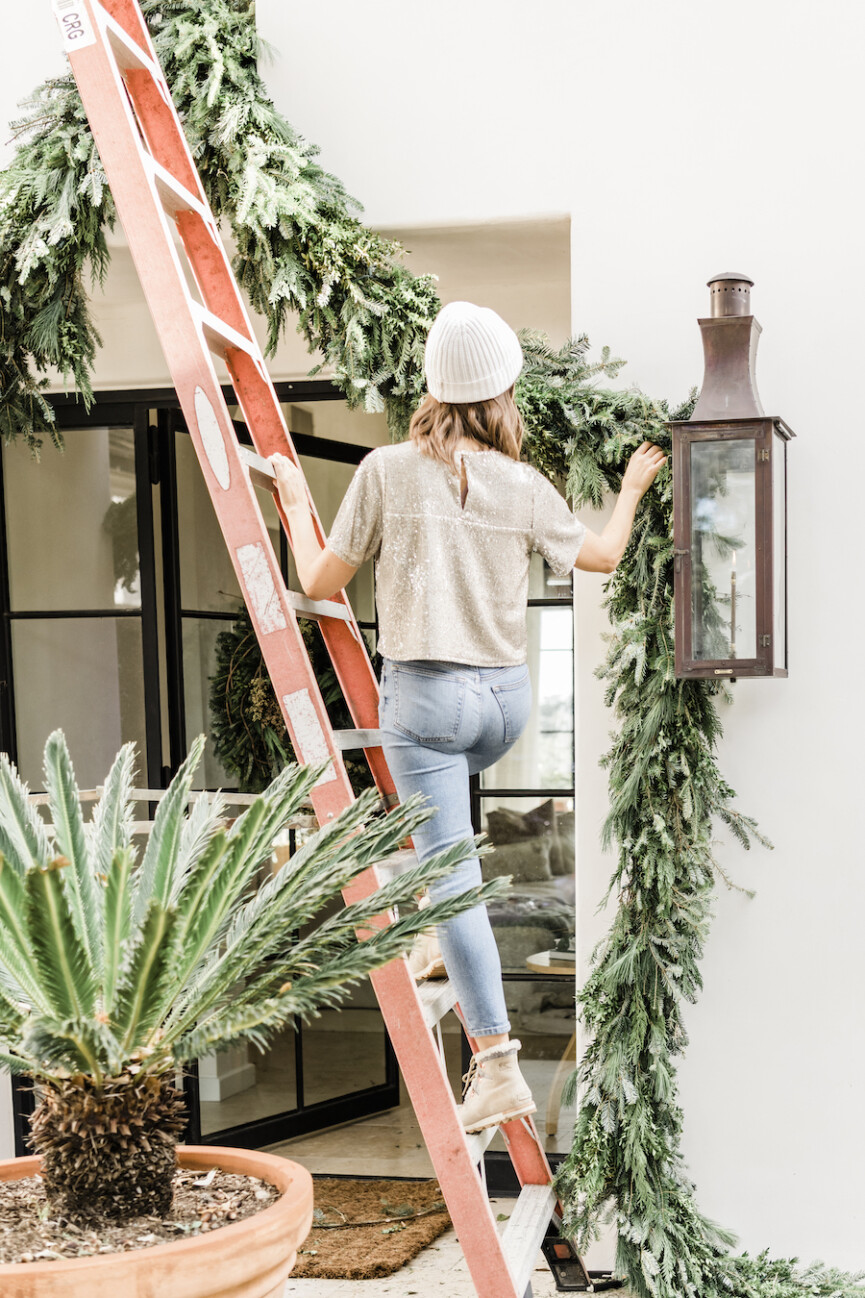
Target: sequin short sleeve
356, 532
557, 533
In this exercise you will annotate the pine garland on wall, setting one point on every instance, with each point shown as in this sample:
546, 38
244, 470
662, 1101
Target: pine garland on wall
300, 249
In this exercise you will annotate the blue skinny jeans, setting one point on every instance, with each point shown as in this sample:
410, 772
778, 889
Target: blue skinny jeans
443, 722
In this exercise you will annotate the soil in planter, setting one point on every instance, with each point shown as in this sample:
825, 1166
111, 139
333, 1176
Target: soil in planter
203, 1201
368, 1229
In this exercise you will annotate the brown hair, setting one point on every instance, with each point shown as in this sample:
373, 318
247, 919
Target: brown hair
439, 426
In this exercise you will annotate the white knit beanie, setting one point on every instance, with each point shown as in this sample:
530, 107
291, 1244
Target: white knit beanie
471, 354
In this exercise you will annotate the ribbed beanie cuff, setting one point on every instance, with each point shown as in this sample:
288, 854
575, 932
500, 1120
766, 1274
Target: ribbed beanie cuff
471, 354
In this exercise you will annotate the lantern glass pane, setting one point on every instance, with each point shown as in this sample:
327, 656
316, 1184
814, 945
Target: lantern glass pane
779, 568
723, 549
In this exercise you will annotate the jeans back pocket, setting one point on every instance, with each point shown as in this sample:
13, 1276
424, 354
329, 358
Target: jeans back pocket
427, 704
515, 700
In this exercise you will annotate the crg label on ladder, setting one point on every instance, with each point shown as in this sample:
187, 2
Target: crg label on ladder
75, 26
308, 734
260, 590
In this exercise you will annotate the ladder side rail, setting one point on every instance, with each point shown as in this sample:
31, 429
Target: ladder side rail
434, 1104
141, 212
344, 641
206, 254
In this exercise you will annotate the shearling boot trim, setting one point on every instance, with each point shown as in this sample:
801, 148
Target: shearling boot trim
498, 1052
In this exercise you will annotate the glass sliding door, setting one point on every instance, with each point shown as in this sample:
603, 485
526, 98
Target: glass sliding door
74, 613
115, 584
340, 1065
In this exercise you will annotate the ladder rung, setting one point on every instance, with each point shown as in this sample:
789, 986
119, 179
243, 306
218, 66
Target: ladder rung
437, 996
128, 53
316, 608
174, 195
480, 1141
526, 1229
405, 858
260, 470
348, 740
220, 336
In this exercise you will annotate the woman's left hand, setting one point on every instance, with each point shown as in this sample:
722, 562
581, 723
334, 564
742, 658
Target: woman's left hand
290, 481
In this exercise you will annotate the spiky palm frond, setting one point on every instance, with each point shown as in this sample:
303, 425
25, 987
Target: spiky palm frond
118, 919
63, 960
202, 823
85, 896
155, 879
102, 997
17, 956
174, 942
110, 827
23, 840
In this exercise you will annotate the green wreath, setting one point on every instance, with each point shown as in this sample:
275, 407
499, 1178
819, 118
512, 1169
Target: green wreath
246, 725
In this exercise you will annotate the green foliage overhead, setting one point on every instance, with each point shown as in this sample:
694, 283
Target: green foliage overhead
301, 248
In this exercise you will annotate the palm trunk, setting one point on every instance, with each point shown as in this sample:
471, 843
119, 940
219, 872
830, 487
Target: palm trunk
108, 1148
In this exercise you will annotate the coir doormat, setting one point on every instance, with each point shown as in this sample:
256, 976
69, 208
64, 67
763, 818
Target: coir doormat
364, 1229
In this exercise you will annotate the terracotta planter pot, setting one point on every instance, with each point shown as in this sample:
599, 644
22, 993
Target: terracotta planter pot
247, 1259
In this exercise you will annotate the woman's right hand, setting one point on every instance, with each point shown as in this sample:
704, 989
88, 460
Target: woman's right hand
290, 481
643, 467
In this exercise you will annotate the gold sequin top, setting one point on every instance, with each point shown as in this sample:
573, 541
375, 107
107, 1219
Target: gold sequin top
452, 579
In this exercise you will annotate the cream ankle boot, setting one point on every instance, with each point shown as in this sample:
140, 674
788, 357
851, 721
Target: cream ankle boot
425, 958
495, 1090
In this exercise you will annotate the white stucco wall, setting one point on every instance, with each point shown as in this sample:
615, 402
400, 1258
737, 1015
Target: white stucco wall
683, 139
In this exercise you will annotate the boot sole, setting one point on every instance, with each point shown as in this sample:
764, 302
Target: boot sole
497, 1119
435, 969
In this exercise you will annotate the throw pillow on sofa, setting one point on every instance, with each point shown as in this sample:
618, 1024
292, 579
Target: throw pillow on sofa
526, 862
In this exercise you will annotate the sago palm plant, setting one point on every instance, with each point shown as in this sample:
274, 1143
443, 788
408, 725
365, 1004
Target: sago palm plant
115, 971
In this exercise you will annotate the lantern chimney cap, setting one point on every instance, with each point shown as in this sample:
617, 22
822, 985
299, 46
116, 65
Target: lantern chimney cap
730, 294
730, 275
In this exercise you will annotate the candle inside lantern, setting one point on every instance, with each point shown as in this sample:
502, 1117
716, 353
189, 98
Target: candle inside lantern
733, 607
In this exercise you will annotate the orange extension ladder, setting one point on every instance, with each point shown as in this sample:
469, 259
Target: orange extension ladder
157, 191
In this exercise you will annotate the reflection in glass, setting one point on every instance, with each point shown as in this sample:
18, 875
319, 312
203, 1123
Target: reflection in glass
245, 1085
72, 523
543, 756
343, 1050
543, 582
207, 579
723, 549
534, 844
199, 665
86, 676
329, 481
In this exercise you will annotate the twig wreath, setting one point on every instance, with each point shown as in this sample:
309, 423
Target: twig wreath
301, 250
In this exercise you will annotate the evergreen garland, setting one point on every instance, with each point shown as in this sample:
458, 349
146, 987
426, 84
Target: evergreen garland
301, 249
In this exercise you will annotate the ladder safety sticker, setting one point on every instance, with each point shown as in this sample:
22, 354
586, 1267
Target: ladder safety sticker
260, 588
211, 438
308, 732
75, 26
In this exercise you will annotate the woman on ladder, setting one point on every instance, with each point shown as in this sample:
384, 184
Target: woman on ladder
452, 517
